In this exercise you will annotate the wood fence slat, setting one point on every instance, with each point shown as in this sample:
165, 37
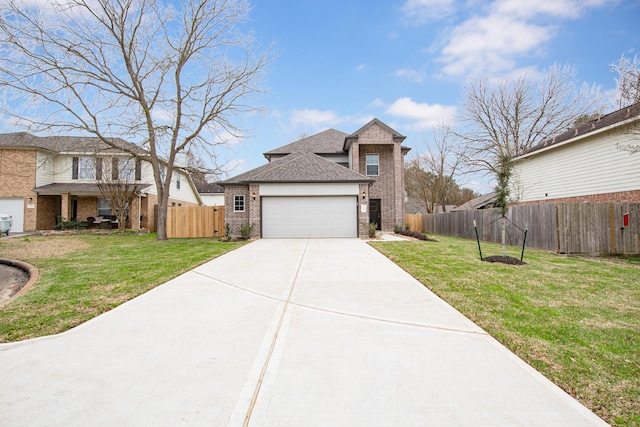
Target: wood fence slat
594, 228
195, 221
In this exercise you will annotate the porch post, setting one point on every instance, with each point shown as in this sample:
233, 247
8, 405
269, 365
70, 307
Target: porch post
65, 207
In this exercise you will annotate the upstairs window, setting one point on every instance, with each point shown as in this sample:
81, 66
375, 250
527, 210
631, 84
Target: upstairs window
177, 181
83, 168
373, 164
126, 169
238, 203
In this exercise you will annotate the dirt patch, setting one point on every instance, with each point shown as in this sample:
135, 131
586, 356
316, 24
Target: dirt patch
37, 247
12, 279
504, 259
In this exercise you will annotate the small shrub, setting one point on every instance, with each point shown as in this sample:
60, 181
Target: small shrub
397, 228
415, 235
227, 232
372, 229
245, 230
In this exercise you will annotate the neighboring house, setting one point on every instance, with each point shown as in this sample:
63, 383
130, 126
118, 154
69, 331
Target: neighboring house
43, 178
596, 162
414, 205
482, 202
331, 184
211, 194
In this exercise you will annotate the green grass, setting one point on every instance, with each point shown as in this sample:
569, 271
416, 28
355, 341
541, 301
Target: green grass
96, 274
575, 320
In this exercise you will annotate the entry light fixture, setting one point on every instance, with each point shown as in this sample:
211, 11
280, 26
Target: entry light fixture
253, 196
364, 195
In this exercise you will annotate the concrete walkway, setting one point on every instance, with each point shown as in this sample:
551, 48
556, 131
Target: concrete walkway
280, 333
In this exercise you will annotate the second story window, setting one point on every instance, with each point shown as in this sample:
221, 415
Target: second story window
83, 168
126, 169
238, 203
177, 181
373, 164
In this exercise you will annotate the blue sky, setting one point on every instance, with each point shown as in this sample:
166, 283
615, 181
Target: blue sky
341, 63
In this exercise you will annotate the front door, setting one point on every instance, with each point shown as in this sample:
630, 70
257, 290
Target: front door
375, 215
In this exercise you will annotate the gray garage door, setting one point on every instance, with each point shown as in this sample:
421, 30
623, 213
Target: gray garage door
303, 217
15, 208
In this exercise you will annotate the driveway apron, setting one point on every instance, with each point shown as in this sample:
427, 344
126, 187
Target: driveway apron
321, 332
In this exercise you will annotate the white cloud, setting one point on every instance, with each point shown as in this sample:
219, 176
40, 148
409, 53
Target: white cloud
492, 43
420, 11
362, 67
423, 115
415, 76
315, 120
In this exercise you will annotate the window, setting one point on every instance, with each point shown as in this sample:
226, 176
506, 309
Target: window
177, 181
84, 168
238, 203
126, 169
104, 207
373, 164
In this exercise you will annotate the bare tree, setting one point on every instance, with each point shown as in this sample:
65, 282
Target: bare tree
628, 81
430, 174
503, 119
167, 76
118, 179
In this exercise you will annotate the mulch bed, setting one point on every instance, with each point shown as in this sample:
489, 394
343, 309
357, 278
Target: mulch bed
504, 259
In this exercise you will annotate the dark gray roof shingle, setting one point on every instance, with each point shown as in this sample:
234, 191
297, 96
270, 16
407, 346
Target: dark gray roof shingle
67, 144
298, 167
591, 126
330, 141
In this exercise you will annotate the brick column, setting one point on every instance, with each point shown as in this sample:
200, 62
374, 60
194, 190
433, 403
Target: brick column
65, 208
398, 191
355, 157
254, 210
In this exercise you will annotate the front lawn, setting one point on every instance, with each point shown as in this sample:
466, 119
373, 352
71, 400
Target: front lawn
575, 320
82, 276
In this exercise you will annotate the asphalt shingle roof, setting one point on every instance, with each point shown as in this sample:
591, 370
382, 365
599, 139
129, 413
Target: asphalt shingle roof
330, 141
591, 126
298, 167
67, 144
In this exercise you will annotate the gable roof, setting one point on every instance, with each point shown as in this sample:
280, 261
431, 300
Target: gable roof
66, 144
298, 167
594, 126
396, 136
330, 141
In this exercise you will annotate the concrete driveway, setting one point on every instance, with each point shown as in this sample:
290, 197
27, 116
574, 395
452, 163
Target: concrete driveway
280, 333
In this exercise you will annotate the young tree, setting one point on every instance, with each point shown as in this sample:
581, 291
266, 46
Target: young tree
164, 75
503, 119
118, 179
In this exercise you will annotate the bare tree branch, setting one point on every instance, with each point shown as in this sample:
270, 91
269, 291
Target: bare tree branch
164, 75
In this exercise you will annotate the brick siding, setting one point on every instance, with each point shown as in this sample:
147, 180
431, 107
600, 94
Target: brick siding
632, 196
18, 178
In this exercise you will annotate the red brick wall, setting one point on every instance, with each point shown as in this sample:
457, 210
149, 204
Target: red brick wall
632, 196
18, 178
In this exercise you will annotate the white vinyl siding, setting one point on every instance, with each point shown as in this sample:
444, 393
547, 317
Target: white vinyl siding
593, 165
45, 170
309, 217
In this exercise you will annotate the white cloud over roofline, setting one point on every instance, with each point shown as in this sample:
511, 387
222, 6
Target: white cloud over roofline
422, 115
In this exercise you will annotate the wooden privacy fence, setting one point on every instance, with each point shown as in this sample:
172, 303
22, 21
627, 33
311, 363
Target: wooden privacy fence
593, 228
414, 221
195, 221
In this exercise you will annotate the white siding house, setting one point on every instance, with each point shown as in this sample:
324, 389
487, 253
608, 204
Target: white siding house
598, 162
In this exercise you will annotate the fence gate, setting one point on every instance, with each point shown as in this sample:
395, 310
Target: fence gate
195, 221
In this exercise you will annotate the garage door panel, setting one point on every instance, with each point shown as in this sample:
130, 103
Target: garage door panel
15, 208
303, 217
